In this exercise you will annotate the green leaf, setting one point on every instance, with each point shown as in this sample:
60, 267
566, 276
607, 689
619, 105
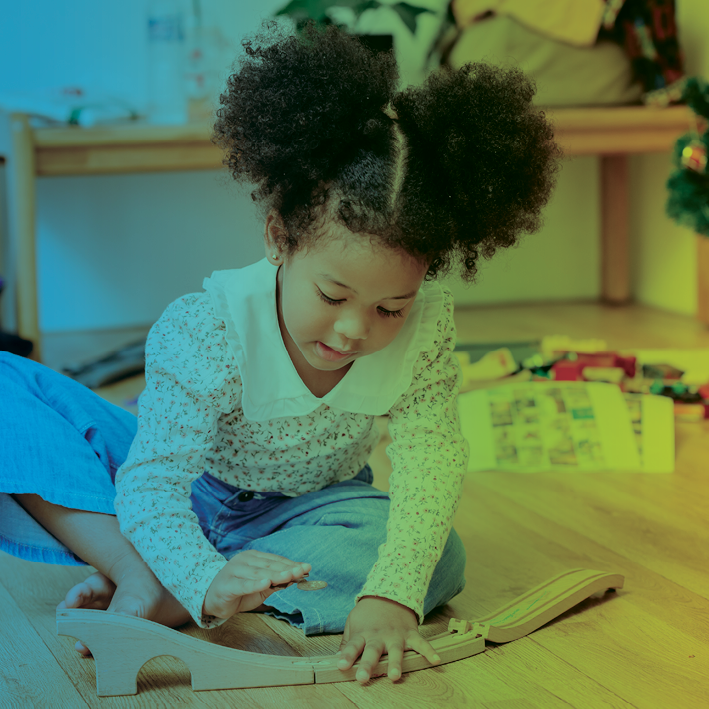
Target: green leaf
409, 14
317, 9
360, 7
314, 9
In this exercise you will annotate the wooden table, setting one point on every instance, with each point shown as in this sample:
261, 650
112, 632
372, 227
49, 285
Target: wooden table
612, 133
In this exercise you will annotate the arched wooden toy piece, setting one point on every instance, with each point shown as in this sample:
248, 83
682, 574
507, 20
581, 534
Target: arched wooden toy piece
122, 644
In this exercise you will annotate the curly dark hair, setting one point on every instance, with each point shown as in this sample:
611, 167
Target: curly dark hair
457, 167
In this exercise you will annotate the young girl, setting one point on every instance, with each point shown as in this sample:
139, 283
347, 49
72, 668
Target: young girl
246, 470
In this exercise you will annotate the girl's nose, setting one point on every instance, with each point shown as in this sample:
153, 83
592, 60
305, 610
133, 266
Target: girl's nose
352, 330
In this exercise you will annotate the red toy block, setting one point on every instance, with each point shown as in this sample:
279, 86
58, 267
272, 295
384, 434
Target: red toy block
604, 359
567, 371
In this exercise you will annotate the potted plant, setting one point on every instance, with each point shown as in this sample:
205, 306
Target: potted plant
324, 11
377, 25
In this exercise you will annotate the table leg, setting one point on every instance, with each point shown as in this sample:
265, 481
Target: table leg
615, 264
703, 278
21, 174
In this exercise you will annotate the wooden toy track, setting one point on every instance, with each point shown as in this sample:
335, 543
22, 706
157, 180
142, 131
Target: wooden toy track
122, 644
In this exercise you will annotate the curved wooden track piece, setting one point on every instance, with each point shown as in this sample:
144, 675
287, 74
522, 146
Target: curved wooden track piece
122, 644
545, 602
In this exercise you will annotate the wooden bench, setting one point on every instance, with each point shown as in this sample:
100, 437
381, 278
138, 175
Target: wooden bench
611, 133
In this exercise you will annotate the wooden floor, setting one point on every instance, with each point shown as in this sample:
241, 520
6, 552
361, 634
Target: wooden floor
645, 646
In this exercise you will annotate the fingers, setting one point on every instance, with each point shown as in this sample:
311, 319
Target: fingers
264, 559
350, 653
297, 571
396, 659
273, 577
373, 652
258, 565
242, 594
269, 580
270, 563
423, 647
370, 659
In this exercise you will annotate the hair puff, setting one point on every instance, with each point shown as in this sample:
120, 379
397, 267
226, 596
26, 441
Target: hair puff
449, 170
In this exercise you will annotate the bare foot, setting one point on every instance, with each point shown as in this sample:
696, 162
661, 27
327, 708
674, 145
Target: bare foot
140, 596
96, 591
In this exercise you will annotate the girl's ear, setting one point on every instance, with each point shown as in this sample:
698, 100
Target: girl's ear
273, 234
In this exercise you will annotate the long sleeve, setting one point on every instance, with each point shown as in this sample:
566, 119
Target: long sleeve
429, 457
191, 379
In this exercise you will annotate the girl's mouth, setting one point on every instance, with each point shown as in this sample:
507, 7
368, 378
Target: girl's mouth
331, 355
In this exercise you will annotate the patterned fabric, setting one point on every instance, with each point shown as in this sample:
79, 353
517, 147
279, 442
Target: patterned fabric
647, 31
192, 419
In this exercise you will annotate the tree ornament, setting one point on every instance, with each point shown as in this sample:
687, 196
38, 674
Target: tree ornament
694, 157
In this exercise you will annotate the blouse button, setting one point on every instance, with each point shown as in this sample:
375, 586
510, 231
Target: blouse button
245, 496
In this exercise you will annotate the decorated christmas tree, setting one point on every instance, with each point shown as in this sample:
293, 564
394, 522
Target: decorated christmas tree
688, 185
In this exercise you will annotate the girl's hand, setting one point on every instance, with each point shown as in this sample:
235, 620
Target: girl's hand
246, 582
380, 626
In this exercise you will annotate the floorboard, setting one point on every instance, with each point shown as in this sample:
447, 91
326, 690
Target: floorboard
646, 645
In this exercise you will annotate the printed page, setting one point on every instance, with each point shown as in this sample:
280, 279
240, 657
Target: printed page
549, 426
653, 421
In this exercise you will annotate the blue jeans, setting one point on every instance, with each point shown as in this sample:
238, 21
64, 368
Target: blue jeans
63, 442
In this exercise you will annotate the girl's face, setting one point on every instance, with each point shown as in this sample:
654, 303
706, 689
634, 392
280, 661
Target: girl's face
344, 295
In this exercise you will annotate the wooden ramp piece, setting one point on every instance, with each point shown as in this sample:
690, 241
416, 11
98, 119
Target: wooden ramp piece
544, 603
122, 644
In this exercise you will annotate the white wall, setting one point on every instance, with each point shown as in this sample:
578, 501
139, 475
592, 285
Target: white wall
113, 251
663, 258
559, 262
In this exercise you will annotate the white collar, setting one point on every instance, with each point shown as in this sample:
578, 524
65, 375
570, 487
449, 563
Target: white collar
245, 298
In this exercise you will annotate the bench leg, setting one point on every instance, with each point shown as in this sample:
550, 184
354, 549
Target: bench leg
615, 263
703, 278
21, 173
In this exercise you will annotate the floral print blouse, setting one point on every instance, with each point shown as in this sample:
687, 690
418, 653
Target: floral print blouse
223, 396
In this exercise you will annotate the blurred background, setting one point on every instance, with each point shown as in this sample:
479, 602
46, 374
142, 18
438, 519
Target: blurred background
113, 250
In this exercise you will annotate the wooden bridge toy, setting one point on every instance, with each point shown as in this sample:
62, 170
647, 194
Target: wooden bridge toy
122, 644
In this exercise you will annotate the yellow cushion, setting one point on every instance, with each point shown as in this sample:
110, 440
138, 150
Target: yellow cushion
565, 75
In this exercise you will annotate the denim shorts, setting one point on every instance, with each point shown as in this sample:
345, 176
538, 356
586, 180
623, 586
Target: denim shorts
64, 443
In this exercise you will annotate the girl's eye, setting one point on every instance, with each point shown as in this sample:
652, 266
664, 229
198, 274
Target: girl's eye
385, 313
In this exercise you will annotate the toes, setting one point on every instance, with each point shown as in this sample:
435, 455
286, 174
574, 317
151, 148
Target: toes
94, 592
83, 596
82, 649
76, 597
79, 647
